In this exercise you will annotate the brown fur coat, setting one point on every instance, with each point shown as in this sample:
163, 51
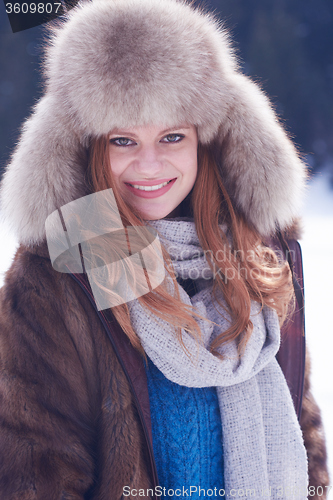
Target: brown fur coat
69, 427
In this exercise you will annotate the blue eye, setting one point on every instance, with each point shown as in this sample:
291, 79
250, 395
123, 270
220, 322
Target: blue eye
122, 141
173, 138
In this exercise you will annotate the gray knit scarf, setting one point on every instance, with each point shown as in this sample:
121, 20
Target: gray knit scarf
264, 455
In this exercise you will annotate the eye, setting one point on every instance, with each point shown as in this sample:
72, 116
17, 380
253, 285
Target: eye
122, 141
173, 138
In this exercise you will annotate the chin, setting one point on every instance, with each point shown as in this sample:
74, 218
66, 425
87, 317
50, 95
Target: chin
156, 217
159, 214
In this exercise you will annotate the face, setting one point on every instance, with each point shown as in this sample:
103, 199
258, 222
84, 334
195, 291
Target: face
154, 168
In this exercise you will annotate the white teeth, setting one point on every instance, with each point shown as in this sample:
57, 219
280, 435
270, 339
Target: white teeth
150, 188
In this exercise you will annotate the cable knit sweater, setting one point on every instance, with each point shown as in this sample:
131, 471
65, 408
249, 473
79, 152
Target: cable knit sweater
187, 435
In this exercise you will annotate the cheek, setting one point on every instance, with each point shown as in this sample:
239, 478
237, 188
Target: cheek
117, 167
191, 161
192, 168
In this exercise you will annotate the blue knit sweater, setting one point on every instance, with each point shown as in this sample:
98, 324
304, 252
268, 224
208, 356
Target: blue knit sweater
187, 435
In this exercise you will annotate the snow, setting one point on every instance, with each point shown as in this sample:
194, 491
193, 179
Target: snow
7, 249
317, 247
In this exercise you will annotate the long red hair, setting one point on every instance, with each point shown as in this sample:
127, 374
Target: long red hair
244, 270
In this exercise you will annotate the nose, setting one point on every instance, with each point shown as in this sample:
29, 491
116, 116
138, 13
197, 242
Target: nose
149, 162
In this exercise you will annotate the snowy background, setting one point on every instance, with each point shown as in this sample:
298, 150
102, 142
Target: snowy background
317, 247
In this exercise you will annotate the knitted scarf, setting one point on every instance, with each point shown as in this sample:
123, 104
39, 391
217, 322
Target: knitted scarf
264, 455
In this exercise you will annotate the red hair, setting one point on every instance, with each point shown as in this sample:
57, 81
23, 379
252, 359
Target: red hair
244, 270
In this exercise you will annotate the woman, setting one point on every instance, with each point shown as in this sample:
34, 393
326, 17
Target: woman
110, 380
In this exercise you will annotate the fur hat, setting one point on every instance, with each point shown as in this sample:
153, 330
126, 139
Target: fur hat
120, 63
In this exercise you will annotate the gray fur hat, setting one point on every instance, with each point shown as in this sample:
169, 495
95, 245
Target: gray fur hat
121, 63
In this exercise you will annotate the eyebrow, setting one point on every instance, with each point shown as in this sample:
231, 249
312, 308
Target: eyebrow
183, 127
119, 131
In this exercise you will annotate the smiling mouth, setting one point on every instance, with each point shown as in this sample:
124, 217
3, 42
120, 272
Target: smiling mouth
150, 188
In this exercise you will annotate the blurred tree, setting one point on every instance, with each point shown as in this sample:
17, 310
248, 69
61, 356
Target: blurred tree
285, 45
19, 80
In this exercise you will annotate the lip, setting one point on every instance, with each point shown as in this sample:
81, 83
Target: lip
151, 194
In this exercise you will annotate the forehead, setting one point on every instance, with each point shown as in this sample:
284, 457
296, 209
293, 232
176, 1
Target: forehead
152, 129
